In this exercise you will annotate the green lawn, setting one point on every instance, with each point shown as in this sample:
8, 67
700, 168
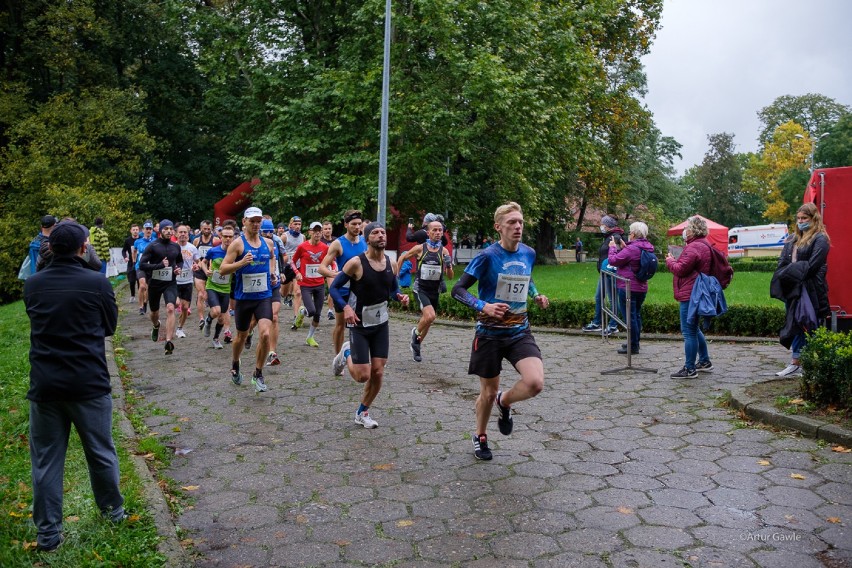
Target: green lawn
89, 541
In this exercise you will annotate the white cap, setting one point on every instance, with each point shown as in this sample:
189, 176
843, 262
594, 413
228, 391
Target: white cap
316, 225
253, 212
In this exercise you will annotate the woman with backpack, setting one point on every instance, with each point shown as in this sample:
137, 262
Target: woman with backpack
801, 272
627, 258
695, 259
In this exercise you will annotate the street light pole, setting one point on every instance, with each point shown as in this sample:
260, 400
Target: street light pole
383, 138
814, 142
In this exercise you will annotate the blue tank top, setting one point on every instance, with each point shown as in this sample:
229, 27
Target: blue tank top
349, 250
252, 282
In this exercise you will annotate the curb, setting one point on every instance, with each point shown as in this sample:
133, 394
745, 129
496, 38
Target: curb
832, 433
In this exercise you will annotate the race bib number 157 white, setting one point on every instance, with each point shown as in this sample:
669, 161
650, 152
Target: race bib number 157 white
512, 287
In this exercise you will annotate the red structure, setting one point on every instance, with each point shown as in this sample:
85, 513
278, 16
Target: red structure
830, 189
717, 236
232, 205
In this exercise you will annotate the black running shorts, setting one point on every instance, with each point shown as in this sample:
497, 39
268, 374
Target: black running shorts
246, 309
185, 292
487, 353
369, 342
169, 294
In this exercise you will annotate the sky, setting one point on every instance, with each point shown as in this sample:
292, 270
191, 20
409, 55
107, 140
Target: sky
716, 63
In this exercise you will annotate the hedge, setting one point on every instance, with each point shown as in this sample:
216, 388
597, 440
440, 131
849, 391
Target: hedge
827, 368
741, 320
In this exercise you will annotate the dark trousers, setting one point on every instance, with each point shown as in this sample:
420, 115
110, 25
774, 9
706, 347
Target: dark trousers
131, 280
636, 301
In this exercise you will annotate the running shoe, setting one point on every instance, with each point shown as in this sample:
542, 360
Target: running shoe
201, 323
206, 326
141, 311
231, 313
480, 447
312, 342
790, 370
248, 341
272, 359
131, 299
609, 331
227, 337
53, 547
288, 301
155, 332
180, 333
258, 384
170, 347
330, 315
145, 308
236, 375
705, 367
504, 422
217, 344
414, 344
685, 374
592, 327
339, 362
297, 323
363, 418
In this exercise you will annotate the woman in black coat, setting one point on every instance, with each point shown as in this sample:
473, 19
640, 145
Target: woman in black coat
801, 270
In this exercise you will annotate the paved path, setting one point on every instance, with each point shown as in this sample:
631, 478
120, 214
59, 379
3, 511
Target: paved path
620, 470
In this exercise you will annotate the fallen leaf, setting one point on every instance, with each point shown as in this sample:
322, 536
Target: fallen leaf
342, 542
98, 556
764, 462
183, 419
797, 401
29, 545
133, 519
404, 523
16, 514
383, 466
190, 487
302, 519
72, 519
148, 456
797, 476
625, 510
834, 520
187, 542
176, 429
841, 449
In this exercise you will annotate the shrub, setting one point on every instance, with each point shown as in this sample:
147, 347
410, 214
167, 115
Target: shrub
827, 368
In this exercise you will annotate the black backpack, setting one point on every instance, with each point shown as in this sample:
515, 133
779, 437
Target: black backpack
720, 267
648, 263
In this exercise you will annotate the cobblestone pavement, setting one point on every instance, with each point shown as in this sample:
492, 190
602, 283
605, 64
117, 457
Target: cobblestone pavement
620, 470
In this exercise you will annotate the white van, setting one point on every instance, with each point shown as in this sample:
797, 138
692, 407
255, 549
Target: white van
763, 240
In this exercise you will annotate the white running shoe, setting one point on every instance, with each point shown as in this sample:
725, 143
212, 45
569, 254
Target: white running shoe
217, 344
339, 362
364, 420
180, 333
790, 370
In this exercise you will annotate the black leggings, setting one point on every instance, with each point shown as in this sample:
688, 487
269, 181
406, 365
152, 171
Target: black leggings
313, 298
131, 279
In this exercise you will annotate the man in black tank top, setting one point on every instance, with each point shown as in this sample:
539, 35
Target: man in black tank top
373, 284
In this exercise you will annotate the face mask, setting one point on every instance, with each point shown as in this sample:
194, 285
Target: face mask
603, 228
684, 234
804, 226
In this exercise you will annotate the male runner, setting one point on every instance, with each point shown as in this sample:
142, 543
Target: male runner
504, 272
189, 257
127, 253
295, 237
162, 262
373, 283
252, 261
138, 248
267, 229
308, 257
345, 247
328, 238
203, 242
433, 261
218, 287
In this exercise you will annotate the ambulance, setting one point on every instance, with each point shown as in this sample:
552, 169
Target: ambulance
757, 240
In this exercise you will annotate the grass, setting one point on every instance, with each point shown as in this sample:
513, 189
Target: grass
90, 541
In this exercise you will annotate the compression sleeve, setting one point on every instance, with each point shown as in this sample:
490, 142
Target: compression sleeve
533, 291
395, 292
336, 290
461, 294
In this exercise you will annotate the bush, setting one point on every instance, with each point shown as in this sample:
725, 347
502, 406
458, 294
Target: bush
827, 369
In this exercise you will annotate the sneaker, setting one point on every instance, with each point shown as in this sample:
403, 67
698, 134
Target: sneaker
609, 331
504, 422
145, 308
231, 313
52, 547
217, 344
592, 327
339, 361
363, 418
155, 332
623, 351
141, 311
415, 345
685, 374
206, 325
227, 337
170, 347
180, 333
201, 323
248, 341
330, 315
131, 299
790, 370
312, 342
258, 384
480, 447
297, 323
705, 367
236, 375
288, 301
272, 359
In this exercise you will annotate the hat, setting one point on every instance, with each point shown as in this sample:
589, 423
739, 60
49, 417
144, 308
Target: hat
266, 225
148, 225
253, 212
372, 227
316, 225
609, 221
429, 217
166, 223
48, 221
280, 226
67, 237
295, 218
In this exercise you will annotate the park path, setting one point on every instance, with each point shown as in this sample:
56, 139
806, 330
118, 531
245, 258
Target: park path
626, 470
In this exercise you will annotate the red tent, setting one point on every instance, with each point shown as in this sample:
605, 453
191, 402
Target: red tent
717, 236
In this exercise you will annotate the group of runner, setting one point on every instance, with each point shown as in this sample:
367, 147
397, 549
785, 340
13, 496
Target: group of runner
247, 273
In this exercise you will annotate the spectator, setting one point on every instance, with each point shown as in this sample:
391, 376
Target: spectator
100, 241
626, 258
578, 248
611, 231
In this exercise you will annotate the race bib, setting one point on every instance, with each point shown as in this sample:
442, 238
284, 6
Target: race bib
255, 282
430, 272
219, 279
312, 271
512, 288
164, 274
374, 315
202, 250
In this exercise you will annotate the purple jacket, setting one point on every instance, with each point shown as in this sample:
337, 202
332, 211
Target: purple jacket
695, 258
627, 262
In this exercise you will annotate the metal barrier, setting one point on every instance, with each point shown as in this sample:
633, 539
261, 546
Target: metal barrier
609, 309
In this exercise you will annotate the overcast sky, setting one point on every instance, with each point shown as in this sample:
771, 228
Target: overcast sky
716, 63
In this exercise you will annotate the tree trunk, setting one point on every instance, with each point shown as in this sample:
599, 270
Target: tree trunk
544, 239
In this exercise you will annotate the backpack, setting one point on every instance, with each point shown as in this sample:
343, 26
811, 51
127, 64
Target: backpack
648, 263
720, 267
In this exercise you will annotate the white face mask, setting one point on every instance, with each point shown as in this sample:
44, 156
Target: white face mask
603, 228
684, 234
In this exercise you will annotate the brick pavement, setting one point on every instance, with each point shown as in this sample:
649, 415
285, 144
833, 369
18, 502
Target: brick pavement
617, 470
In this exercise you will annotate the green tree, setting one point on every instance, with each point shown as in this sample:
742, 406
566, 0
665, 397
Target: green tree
815, 113
835, 150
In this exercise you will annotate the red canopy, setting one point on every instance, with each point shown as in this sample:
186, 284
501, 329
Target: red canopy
717, 235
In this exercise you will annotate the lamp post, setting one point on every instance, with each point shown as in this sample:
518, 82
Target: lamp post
814, 142
383, 137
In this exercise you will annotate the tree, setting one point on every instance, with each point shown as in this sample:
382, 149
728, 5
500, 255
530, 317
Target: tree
835, 150
815, 113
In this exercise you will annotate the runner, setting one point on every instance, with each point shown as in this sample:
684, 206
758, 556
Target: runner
127, 254
373, 283
327, 239
433, 261
138, 248
161, 262
504, 272
267, 229
250, 258
295, 237
190, 257
308, 257
203, 242
218, 287
345, 247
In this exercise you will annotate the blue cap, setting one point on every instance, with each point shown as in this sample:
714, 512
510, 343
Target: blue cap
148, 225
267, 225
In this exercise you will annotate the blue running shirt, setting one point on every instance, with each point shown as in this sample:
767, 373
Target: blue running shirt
253, 282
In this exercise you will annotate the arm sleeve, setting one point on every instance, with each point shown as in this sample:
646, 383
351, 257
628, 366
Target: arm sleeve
533, 291
336, 290
144, 263
461, 294
393, 293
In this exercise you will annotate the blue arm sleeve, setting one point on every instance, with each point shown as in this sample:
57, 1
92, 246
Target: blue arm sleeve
393, 293
461, 294
533, 291
336, 290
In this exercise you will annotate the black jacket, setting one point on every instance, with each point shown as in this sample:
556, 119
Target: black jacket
71, 310
603, 252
